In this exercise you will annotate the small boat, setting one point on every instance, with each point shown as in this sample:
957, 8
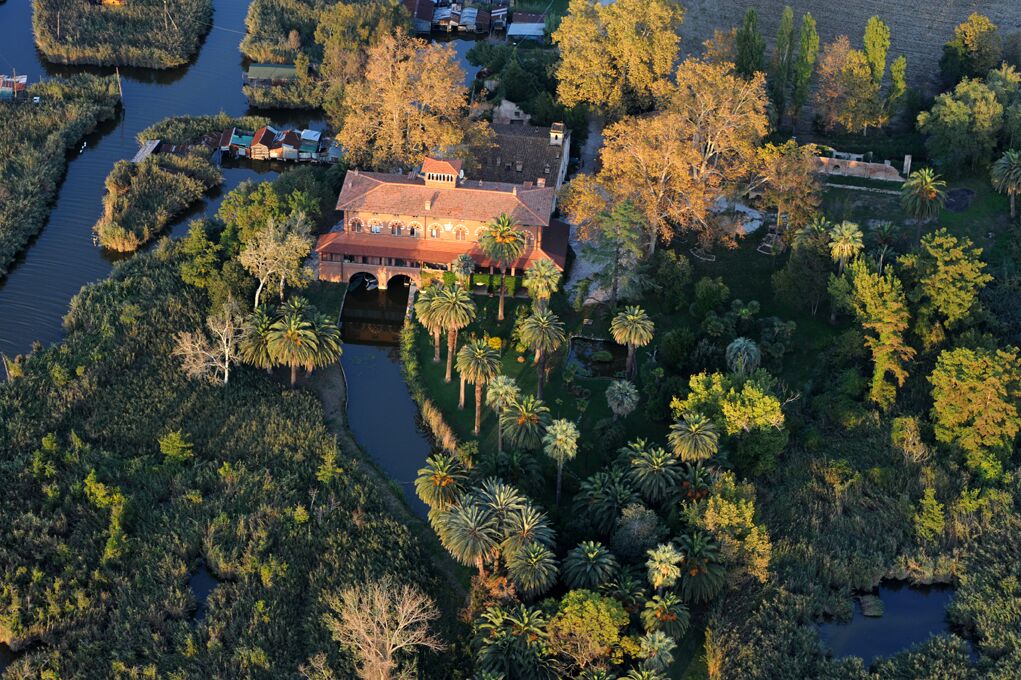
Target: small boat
82, 150
371, 284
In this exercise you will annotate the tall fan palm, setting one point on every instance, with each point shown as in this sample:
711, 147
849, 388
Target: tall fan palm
454, 310
502, 499
561, 444
589, 565
632, 327
293, 342
602, 496
845, 243
525, 422
814, 233
502, 241
440, 482
543, 331
502, 392
922, 196
666, 613
654, 472
254, 346
329, 343
469, 532
527, 525
657, 648
463, 267
429, 318
704, 573
533, 569
478, 363
542, 278
1006, 176
885, 237
694, 437
664, 565
743, 356
622, 398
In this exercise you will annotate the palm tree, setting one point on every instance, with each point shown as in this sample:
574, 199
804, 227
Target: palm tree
478, 363
463, 266
815, 232
704, 573
454, 310
533, 569
589, 565
561, 444
696, 480
330, 346
632, 327
254, 346
428, 317
694, 437
654, 472
602, 496
622, 398
525, 421
644, 674
544, 333
658, 650
502, 392
541, 279
845, 243
502, 499
666, 613
440, 482
503, 242
527, 525
743, 356
922, 196
468, 531
292, 341
885, 237
1006, 176
664, 565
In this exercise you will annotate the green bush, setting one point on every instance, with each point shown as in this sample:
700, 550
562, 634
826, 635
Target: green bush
34, 140
136, 33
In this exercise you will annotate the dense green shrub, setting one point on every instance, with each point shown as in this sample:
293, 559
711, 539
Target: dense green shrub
107, 515
34, 139
135, 33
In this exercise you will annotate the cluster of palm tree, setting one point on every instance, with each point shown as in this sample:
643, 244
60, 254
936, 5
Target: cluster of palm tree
294, 334
445, 308
503, 242
489, 525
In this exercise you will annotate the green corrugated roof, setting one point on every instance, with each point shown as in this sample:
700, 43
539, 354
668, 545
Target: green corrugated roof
272, 71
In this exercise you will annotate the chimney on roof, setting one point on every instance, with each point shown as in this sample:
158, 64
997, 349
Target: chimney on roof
514, 190
556, 134
541, 182
519, 166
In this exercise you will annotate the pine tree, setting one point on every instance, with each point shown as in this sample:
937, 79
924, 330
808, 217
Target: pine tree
751, 48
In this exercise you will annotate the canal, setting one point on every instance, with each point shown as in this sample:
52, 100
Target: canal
381, 413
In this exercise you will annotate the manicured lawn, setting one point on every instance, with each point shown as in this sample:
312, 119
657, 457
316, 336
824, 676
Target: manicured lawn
326, 296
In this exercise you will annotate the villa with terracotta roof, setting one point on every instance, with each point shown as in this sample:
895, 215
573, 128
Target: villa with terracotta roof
396, 225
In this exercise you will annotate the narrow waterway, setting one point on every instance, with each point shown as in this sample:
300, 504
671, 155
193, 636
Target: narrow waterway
35, 295
381, 413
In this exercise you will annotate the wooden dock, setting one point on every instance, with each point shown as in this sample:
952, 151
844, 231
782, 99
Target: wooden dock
147, 149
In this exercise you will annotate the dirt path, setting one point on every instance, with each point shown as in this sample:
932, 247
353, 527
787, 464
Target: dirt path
331, 387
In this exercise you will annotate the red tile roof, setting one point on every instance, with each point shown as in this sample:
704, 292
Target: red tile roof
264, 136
441, 166
554, 247
470, 200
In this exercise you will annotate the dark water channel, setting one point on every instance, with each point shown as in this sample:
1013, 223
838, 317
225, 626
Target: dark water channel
202, 583
381, 413
35, 295
910, 616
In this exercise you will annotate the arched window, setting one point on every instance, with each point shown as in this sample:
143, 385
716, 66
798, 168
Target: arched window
414, 229
396, 228
460, 233
434, 232
375, 226
356, 225
529, 240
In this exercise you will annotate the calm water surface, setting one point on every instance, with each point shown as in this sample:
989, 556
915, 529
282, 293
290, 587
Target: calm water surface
910, 616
